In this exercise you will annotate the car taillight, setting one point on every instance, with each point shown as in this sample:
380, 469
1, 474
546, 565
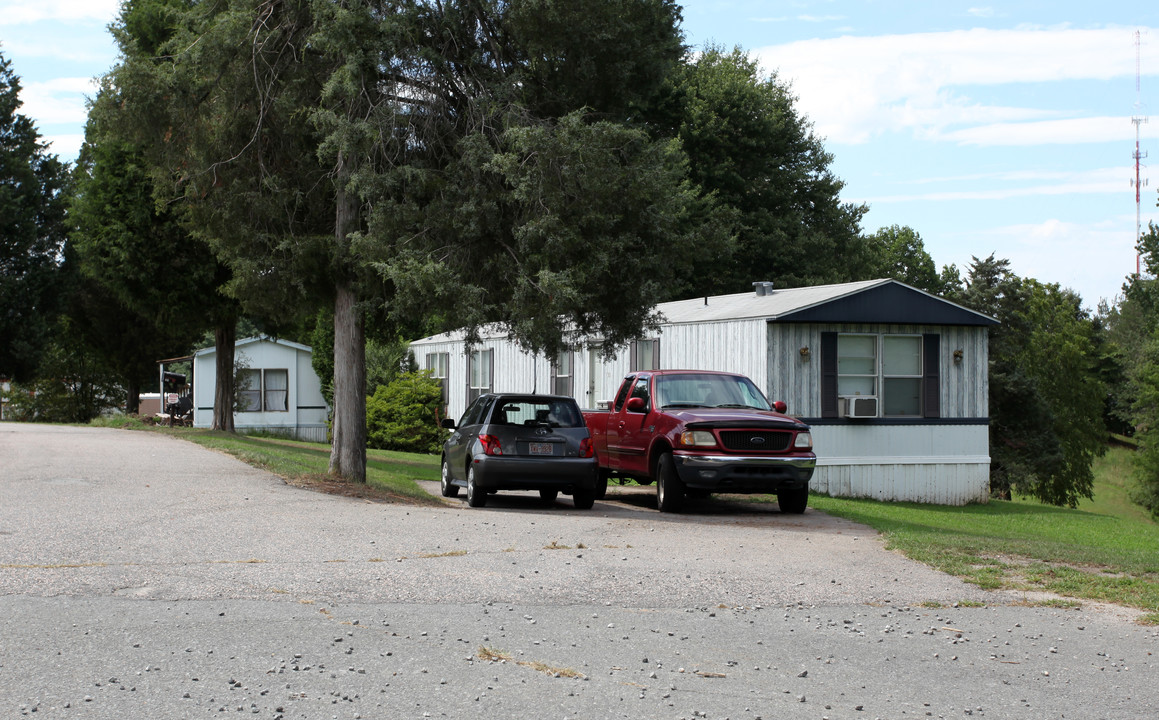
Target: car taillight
585, 449
491, 445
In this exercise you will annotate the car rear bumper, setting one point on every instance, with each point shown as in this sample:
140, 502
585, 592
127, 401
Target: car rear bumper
744, 473
529, 473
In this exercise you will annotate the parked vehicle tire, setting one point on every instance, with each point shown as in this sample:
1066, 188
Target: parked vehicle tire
669, 488
602, 485
446, 487
476, 497
584, 499
548, 496
793, 501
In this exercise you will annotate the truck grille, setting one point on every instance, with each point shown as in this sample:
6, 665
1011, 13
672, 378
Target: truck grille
755, 440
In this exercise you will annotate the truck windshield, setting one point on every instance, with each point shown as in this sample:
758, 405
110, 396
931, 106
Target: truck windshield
726, 391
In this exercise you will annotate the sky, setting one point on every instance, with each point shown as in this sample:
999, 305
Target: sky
1002, 128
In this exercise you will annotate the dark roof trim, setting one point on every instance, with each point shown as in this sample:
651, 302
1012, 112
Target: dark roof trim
891, 303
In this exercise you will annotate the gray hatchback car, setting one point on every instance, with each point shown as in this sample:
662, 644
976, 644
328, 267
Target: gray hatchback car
520, 442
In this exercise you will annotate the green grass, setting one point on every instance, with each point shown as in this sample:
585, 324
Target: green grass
1105, 550
391, 475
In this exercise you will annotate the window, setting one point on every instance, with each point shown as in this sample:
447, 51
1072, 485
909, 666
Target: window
561, 374
857, 365
440, 364
640, 390
892, 368
622, 395
901, 373
259, 390
644, 355
479, 373
277, 387
249, 390
530, 412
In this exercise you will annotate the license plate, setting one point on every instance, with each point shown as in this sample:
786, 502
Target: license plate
541, 448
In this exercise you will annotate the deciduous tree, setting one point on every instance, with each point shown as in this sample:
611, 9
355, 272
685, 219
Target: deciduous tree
1045, 396
751, 148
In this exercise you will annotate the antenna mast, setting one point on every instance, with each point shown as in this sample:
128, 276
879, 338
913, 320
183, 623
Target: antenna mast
1138, 119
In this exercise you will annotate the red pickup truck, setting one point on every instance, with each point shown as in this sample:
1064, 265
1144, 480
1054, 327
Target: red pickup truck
697, 432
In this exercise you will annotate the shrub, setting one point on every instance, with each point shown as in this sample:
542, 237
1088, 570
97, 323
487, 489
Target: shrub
404, 415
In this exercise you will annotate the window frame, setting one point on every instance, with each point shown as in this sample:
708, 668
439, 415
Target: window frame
927, 376
244, 391
644, 355
474, 391
563, 374
256, 399
440, 362
266, 389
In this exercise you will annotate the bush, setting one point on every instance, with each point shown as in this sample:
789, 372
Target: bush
404, 415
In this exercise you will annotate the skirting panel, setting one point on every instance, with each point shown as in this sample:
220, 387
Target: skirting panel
939, 484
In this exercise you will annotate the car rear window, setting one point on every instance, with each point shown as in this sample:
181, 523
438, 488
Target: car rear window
530, 412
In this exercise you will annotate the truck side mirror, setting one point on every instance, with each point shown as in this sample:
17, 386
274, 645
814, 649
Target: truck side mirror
448, 423
637, 405
781, 407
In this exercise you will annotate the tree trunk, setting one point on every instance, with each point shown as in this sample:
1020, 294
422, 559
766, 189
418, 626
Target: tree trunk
348, 448
133, 403
224, 342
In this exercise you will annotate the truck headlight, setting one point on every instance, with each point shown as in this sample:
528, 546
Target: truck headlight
804, 441
697, 438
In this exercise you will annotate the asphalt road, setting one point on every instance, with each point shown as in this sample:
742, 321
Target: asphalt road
145, 577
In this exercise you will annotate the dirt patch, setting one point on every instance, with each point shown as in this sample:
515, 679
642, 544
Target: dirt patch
334, 486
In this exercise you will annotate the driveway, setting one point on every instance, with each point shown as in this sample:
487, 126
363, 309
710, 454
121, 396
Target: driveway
143, 576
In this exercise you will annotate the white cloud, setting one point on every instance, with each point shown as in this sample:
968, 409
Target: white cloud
65, 146
57, 101
23, 12
1092, 259
1006, 185
855, 88
983, 12
1052, 132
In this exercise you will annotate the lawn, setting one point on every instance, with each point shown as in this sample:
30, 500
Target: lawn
1105, 550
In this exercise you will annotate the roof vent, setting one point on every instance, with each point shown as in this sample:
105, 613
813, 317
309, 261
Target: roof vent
763, 288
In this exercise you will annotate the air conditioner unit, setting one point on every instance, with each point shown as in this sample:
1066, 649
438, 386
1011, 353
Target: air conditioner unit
858, 406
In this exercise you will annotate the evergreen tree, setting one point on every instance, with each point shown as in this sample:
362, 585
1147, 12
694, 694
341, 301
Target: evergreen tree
32, 211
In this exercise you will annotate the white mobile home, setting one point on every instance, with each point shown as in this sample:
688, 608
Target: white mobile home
892, 379
278, 390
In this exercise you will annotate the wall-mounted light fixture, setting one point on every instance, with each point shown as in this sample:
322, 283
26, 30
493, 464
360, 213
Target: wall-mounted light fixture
958, 356
805, 353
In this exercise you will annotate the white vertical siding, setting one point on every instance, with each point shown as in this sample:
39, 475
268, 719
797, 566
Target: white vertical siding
736, 346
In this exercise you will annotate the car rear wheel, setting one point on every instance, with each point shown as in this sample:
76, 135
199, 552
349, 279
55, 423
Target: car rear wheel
793, 501
584, 499
548, 496
669, 488
476, 497
446, 486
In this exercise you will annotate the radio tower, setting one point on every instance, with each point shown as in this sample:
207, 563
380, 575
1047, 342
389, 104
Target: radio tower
1138, 119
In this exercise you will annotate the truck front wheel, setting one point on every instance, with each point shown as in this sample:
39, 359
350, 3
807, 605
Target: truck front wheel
793, 501
602, 484
669, 488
